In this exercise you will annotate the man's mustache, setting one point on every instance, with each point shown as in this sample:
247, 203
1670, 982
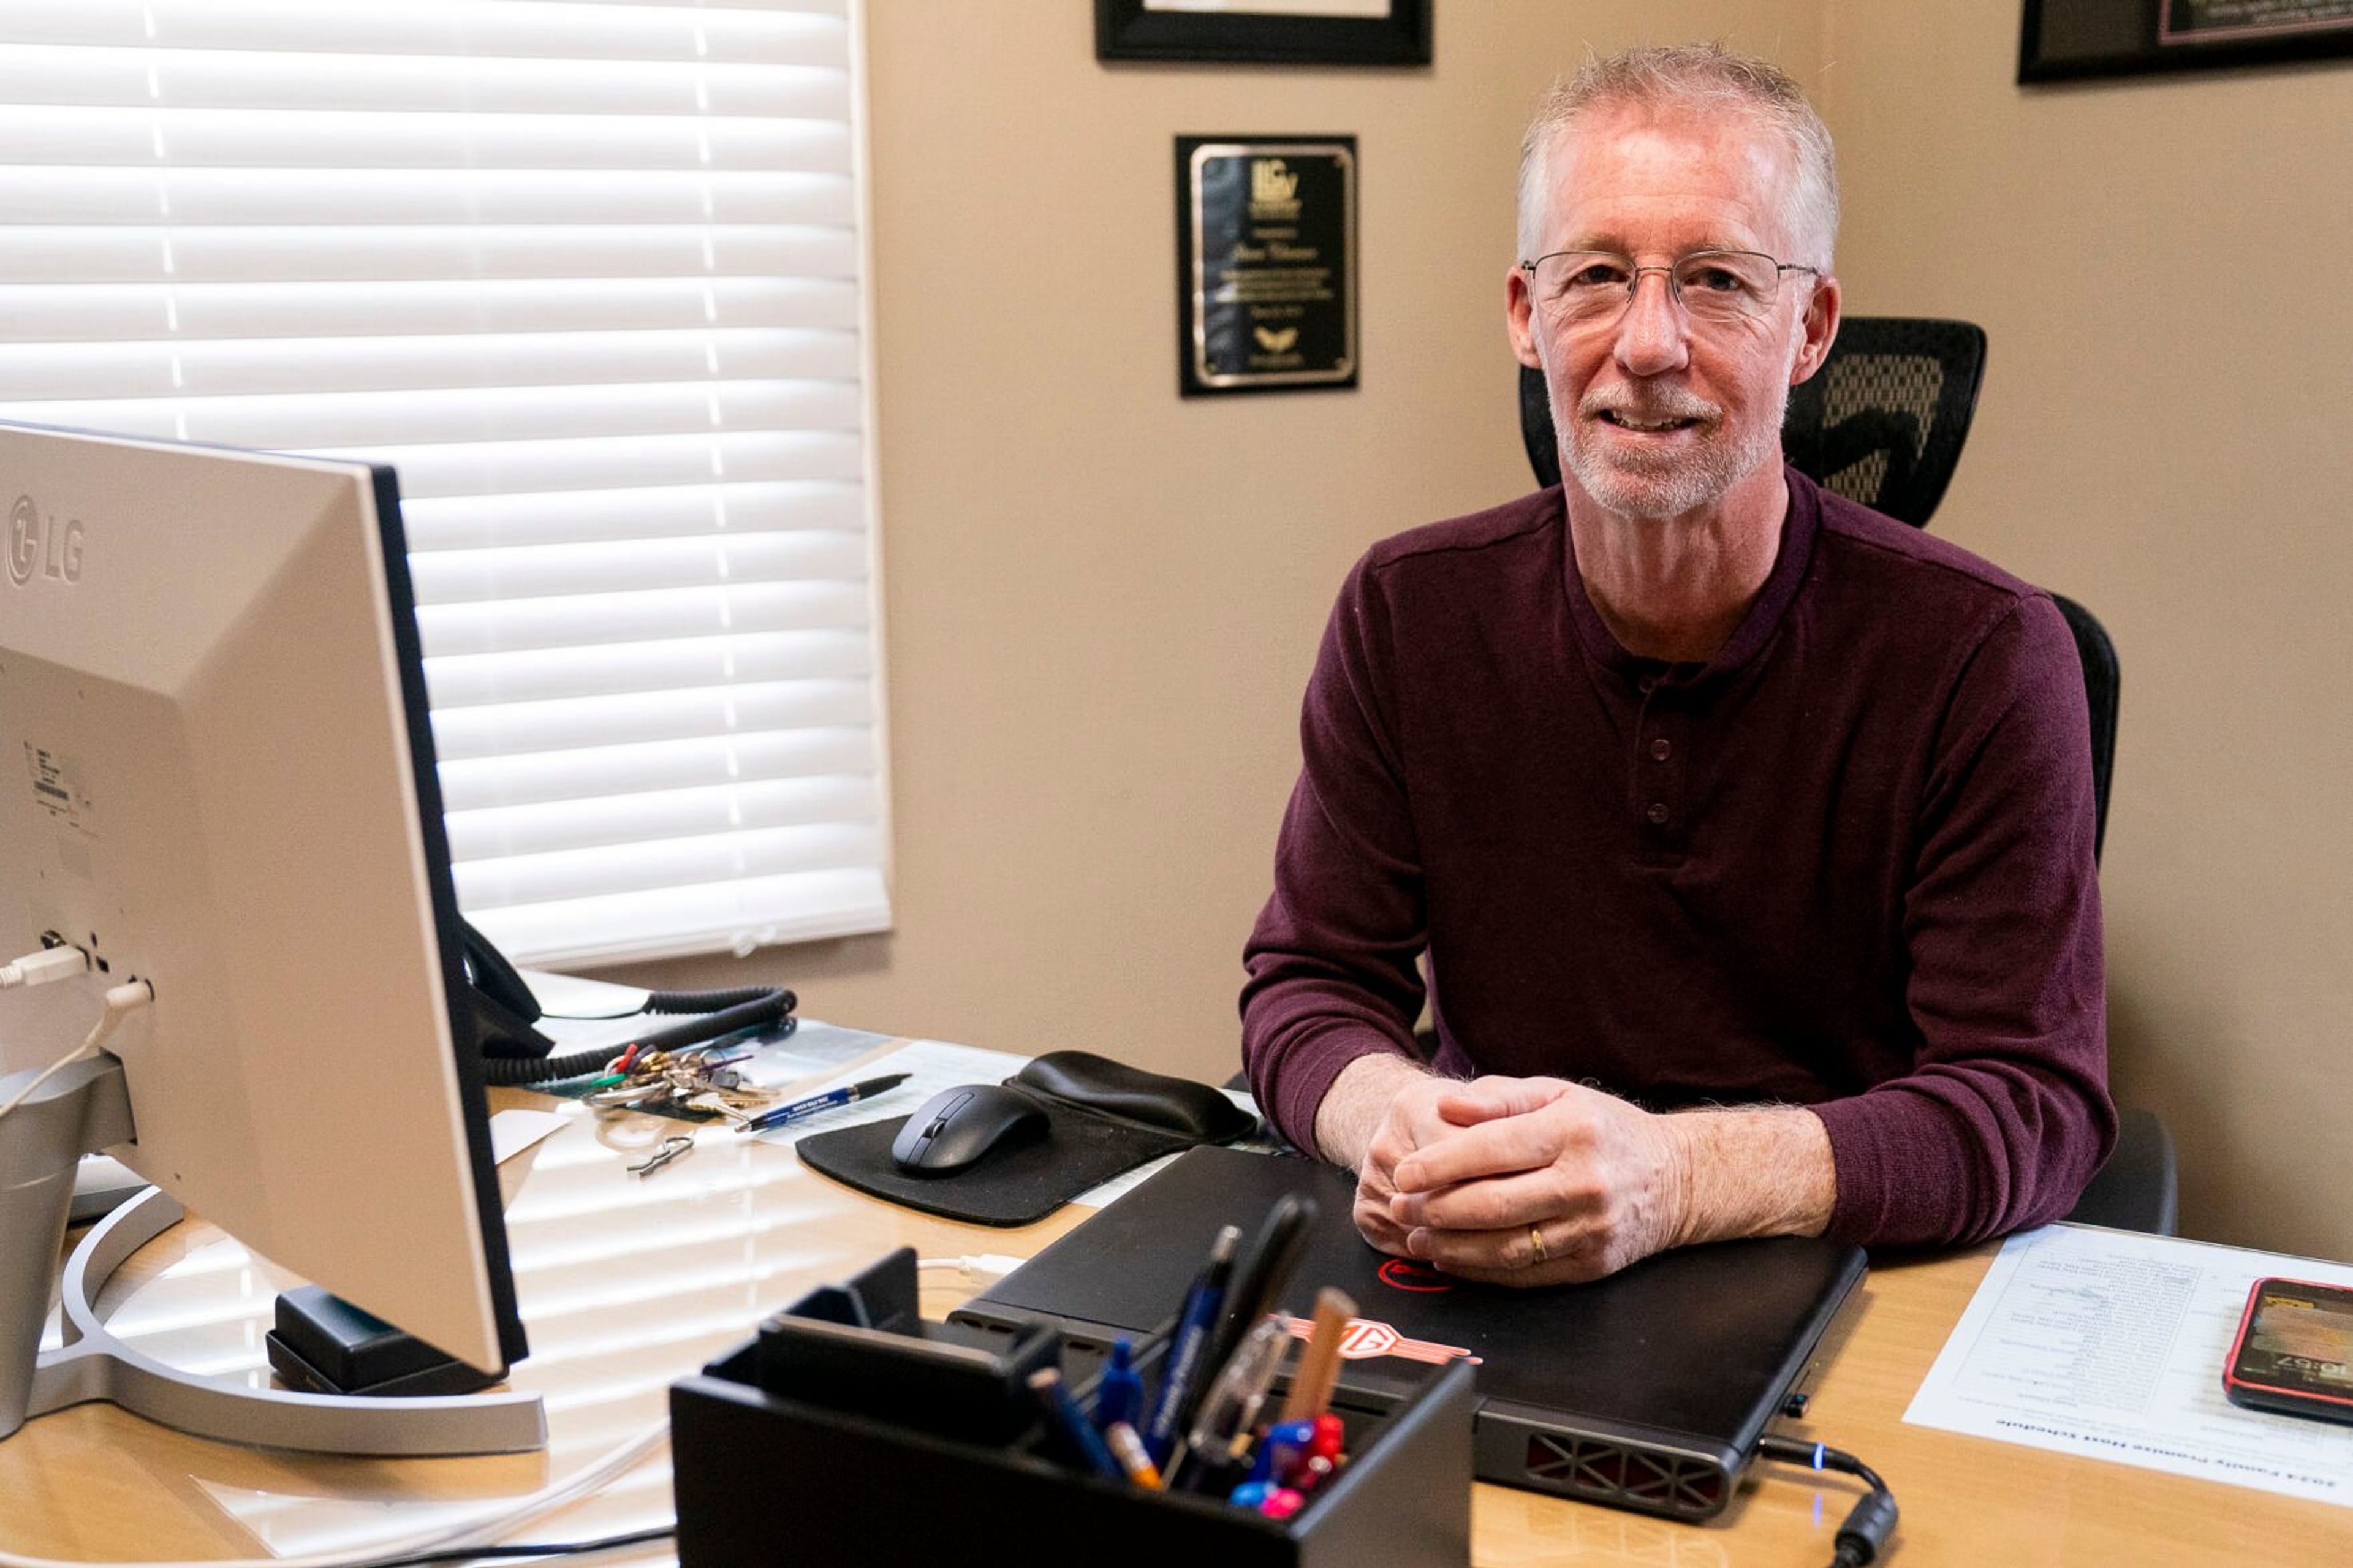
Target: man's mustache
1663, 404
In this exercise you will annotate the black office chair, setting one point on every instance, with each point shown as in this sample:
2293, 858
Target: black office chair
1882, 423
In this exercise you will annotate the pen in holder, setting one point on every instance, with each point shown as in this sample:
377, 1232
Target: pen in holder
857, 1432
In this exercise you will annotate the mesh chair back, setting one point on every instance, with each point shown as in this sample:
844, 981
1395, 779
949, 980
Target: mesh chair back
1882, 422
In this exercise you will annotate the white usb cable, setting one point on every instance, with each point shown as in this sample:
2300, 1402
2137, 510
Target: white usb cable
979, 1268
40, 968
122, 1001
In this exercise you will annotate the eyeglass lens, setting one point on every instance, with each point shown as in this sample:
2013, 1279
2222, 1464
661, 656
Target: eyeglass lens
1713, 285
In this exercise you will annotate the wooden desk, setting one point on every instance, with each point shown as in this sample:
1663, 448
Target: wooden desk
626, 1283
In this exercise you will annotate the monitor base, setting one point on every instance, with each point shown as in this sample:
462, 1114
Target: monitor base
84, 1109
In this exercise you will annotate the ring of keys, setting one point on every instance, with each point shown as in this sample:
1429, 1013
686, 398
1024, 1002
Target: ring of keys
662, 1080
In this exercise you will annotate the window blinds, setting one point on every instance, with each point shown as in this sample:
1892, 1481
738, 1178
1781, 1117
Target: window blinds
588, 275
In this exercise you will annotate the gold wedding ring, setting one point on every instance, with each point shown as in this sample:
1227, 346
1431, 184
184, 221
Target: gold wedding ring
1535, 1239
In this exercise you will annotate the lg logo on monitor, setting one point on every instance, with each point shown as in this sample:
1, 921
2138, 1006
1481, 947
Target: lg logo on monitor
44, 548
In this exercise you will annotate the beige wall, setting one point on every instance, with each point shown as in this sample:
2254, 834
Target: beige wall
2163, 435
1103, 600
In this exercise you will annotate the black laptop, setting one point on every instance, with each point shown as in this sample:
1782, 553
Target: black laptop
1647, 1390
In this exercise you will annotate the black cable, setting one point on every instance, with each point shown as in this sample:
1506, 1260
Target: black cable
520, 1549
765, 1009
1863, 1538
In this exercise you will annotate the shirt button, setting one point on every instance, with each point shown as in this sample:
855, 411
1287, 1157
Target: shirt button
1658, 812
1659, 748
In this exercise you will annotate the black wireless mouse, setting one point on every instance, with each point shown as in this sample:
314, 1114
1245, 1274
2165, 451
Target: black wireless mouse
957, 1126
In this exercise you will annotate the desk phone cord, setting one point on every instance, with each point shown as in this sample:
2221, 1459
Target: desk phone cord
1863, 1538
719, 1013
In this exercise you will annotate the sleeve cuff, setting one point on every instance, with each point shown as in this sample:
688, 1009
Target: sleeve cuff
1310, 1069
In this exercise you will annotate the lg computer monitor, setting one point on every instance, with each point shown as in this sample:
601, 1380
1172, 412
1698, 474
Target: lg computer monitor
216, 774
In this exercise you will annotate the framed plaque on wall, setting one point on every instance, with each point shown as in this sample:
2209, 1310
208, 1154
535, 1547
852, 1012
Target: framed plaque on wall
1265, 32
2062, 40
1266, 263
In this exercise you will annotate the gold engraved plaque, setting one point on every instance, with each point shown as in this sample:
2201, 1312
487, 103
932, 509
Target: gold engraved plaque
1266, 238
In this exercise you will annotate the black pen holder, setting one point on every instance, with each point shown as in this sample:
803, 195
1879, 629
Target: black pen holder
853, 1432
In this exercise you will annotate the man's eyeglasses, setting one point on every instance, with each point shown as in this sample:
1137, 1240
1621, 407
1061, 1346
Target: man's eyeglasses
1582, 287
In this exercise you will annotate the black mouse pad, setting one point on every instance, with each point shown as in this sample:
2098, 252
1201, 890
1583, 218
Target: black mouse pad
1012, 1186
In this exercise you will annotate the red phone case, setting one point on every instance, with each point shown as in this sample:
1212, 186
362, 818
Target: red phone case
2289, 1400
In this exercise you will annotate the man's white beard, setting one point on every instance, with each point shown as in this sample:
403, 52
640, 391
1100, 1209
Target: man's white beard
1669, 484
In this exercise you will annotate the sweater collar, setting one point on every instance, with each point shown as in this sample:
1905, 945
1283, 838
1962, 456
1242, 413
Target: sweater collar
1800, 525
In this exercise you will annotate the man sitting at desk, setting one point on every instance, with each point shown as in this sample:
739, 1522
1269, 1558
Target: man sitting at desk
1748, 833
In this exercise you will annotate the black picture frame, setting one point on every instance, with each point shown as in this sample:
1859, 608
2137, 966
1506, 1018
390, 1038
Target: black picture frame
1266, 279
1126, 30
2074, 40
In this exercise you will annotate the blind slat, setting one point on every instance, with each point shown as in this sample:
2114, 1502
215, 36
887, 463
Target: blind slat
672, 814
542, 675
512, 729
53, 314
477, 413
383, 254
494, 468
208, 140
289, 79
670, 922
479, 576
441, 28
638, 512
375, 195
638, 867
244, 367
643, 769
663, 613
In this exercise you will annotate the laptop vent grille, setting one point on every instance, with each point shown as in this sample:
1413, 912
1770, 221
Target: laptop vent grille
1630, 1477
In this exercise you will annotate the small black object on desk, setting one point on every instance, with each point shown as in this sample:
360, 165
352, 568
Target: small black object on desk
323, 1344
958, 1127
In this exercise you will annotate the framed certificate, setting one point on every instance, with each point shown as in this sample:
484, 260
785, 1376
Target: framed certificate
1265, 32
1266, 263
2063, 40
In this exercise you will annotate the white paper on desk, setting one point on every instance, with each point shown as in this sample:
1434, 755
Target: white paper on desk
933, 1066
2111, 1344
514, 1133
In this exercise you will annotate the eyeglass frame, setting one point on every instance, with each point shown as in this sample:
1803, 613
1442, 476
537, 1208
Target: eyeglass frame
1674, 289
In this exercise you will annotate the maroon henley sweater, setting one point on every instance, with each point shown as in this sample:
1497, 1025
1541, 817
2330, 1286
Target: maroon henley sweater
1845, 864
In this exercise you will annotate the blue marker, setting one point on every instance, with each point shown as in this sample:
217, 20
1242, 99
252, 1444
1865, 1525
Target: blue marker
1063, 1413
1195, 1328
1119, 1392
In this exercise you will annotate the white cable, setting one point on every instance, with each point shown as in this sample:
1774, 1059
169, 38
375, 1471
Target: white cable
120, 1002
40, 968
979, 1268
468, 1532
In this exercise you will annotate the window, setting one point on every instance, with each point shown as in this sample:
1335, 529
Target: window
590, 277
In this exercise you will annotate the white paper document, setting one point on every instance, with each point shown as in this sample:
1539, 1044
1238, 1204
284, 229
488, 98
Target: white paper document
2111, 1344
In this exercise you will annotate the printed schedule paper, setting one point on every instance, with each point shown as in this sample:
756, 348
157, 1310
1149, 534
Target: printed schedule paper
2112, 1344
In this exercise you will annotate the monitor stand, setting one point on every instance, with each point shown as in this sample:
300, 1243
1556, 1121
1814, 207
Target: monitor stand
85, 1108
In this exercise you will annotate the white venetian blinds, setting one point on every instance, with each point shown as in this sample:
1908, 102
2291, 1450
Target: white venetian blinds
588, 275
